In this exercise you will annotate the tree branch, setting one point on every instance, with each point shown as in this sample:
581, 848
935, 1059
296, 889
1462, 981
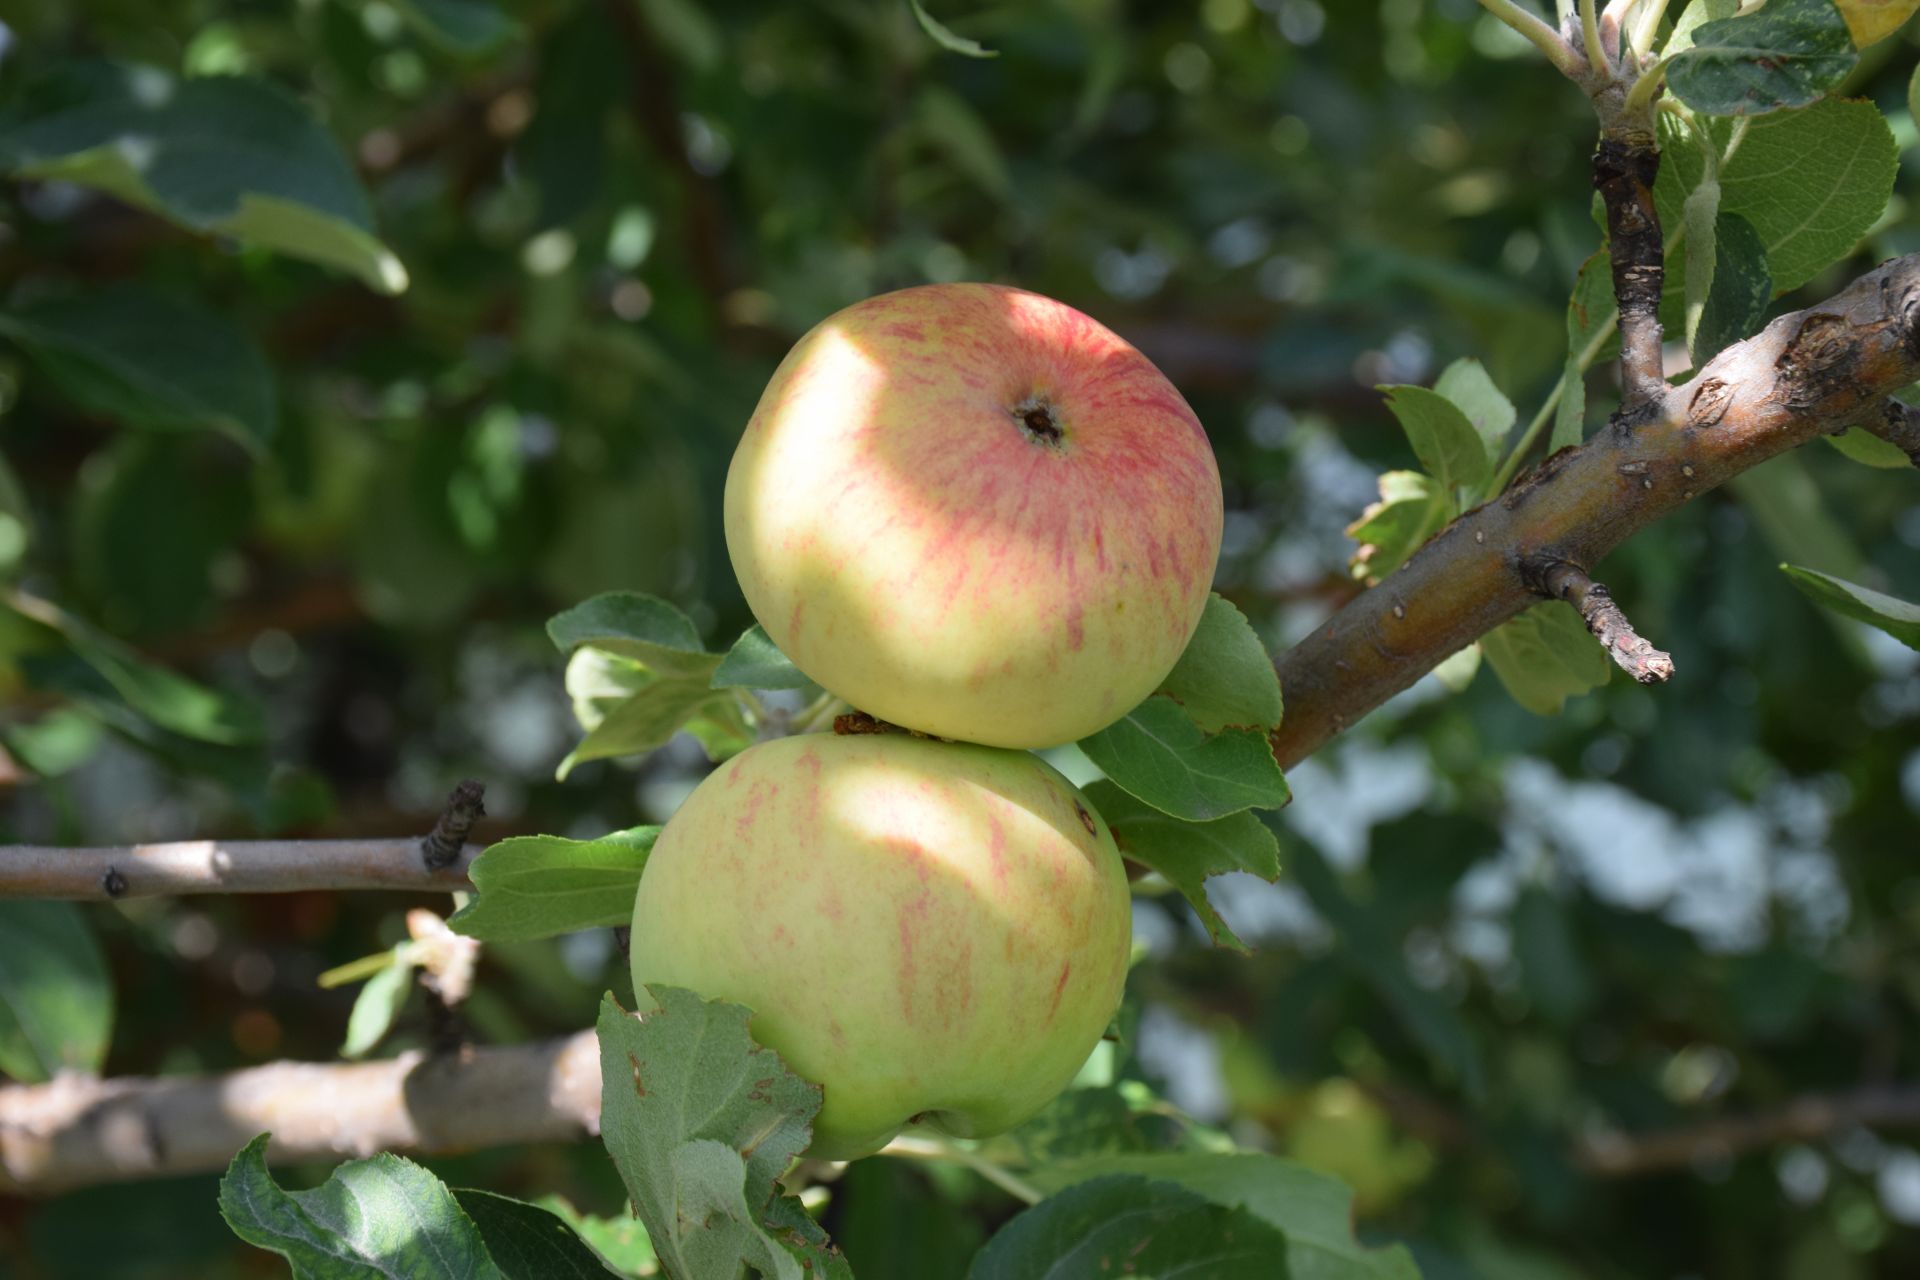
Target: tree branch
1625, 1155
225, 866
1899, 426
1624, 170
449, 835
1808, 373
76, 1130
1639, 659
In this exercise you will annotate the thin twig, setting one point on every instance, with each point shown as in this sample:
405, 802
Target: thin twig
465, 806
1623, 174
1561, 580
224, 866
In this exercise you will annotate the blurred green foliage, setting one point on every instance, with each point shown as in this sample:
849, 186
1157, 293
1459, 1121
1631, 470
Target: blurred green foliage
1496, 934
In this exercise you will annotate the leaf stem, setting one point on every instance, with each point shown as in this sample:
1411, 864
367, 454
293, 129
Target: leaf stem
1528, 438
934, 1147
1537, 31
1590, 33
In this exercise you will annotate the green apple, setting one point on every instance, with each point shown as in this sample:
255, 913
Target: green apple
933, 932
975, 512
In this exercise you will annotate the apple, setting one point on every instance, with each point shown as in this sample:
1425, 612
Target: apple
975, 512
933, 932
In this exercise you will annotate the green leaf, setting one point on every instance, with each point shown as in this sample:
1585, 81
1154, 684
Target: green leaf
1467, 384
700, 1121
16, 521
1225, 676
1458, 671
462, 27
1812, 182
538, 886
1411, 509
55, 744
1784, 502
1127, 1225
1186, 853
170, 701
945, 38
622, 1242
1870, 450
643, 628
1898, 618
1314, 1210
527, 1242
1446, 443
378, 1218
1545, 656
149, 360
1696, 13
56, 1002
951, 125
755, 662
1701, 208
1157, 754
1742, 288
224, 155
379, 1003
1591, 312
1376, 955
1785, 55
685, 27
1913, 95
647, 719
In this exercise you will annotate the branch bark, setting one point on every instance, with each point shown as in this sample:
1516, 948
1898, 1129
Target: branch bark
1623, 174
76, 1130
1604, 618
226, 866
1806, 1119
1899, 426
1808, 373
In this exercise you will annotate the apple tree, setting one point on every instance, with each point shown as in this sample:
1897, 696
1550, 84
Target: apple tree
1257, 639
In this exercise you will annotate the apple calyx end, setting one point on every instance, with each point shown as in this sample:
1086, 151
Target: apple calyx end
1039, 422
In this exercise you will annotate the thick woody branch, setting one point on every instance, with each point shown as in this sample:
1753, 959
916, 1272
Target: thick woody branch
225, 866
1560, 580
1808, 373
1807, 1119
1899, 425
77, 1131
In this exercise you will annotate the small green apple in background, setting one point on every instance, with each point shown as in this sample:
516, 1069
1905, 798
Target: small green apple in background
927, 930
975, 512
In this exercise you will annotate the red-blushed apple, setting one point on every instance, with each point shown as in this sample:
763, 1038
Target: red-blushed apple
933, 932
975, 512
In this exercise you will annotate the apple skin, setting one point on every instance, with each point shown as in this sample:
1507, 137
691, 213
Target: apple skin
933, 932
910, 532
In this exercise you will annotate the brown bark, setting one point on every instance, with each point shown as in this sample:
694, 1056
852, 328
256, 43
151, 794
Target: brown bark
76, 1130
1808, 373
225, 866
